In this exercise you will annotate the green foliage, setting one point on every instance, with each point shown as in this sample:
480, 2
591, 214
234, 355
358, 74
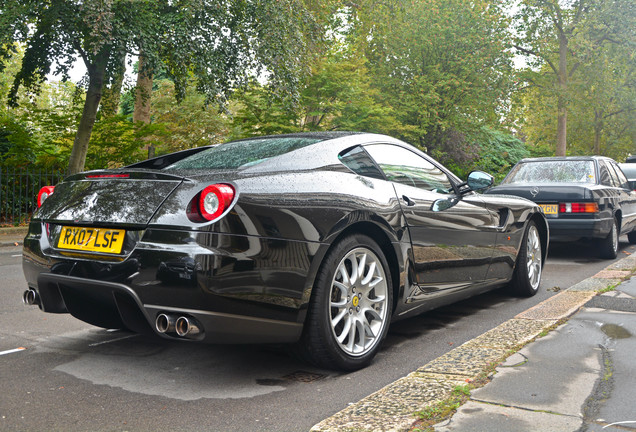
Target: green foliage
116, 141
337, 95
491, 150
222, 44
499, 152
580, 57
189, 123
601, 106
256, 112
15, 142
441, 64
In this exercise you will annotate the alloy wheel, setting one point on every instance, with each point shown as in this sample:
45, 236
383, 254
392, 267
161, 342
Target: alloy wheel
358, 302
533, 261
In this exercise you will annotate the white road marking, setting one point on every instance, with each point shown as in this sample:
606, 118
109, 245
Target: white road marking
112, 340
12, 351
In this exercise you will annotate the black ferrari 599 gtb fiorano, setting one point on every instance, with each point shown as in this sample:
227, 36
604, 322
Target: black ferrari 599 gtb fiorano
316, 239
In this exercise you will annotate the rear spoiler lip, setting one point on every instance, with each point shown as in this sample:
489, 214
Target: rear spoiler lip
165, 160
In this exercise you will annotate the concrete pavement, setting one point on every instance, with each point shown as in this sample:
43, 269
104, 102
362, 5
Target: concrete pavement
575, 375
12, 236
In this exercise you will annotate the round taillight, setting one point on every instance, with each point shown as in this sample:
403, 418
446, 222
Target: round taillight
44, 193
214, 200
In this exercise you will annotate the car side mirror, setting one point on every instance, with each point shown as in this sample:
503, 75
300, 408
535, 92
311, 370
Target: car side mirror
479, 180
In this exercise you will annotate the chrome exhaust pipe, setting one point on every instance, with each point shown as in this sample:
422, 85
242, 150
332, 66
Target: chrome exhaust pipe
187, 327
30, 297
165, 323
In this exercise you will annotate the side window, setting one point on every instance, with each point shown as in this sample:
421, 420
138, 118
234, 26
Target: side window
606, 180
622, 180
358, 161
406, 167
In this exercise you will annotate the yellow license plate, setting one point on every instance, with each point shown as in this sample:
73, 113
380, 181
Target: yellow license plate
92, 239
549, 209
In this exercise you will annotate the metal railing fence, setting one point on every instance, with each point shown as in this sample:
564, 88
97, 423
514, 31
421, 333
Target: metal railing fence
19, 189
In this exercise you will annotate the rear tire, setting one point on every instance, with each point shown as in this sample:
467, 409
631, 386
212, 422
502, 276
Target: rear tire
350, 309
527, 276
632, 237
609, 245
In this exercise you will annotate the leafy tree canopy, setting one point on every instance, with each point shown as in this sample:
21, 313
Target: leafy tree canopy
221, 42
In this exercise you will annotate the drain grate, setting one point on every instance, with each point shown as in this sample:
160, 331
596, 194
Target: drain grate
303, 376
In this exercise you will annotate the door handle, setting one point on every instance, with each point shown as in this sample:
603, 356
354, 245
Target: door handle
409, 201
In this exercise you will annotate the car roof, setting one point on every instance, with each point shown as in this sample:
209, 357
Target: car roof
321, 135
565, 158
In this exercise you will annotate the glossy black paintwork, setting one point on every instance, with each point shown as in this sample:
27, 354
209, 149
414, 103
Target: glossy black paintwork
250, 273
614, 201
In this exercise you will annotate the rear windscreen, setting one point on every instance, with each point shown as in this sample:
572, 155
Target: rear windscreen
241, 154
559, 171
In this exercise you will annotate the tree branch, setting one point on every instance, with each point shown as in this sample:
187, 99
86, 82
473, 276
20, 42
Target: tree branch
536, 54
619, 112
82, 53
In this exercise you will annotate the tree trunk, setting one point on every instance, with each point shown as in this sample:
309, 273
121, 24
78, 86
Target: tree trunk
562, 115
143, 92
112, 95
96, 74
143, 96
598, 127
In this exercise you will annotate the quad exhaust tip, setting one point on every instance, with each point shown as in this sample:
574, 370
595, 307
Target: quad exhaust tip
187, 327
30, 297
182, 326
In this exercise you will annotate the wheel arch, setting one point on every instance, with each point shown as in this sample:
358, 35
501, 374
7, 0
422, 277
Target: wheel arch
544, 233
385, 240
618, 215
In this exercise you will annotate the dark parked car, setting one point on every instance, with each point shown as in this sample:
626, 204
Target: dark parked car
317, 239
629, 169
582, 197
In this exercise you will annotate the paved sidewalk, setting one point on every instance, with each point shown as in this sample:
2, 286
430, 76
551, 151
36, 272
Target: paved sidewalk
12, 235
577, 377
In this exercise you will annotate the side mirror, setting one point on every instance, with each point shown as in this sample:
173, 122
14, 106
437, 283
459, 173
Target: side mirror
479, 180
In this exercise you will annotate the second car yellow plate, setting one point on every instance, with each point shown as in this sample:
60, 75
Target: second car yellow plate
92, 239
549, 209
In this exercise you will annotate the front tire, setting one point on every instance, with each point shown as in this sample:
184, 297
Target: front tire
609, 245
351, 304
527, 276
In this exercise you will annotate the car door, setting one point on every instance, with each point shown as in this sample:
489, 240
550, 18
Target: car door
626, 198
451, 248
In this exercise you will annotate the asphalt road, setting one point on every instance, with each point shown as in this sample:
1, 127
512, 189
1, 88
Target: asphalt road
57, 373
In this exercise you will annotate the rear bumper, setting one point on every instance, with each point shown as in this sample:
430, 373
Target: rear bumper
565, 229
239, 289
115, 305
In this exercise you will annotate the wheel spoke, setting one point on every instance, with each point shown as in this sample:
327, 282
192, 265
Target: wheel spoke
344, 275
345, 331
361, 266
338, 318
362, 336
352, 337
370, 274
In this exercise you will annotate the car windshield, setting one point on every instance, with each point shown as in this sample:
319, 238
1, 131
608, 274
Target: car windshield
556, 171
241, 154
